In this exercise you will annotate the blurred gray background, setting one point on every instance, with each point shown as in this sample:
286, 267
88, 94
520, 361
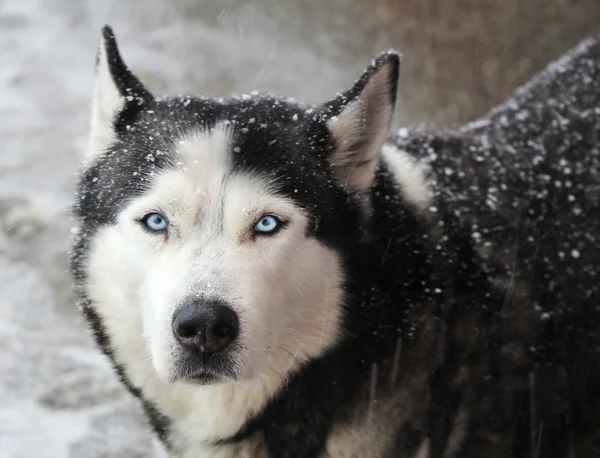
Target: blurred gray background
58, 396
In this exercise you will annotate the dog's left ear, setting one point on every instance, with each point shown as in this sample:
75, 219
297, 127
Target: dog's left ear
117, 91
359, 121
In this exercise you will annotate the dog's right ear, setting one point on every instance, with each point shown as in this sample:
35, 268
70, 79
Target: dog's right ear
117, 92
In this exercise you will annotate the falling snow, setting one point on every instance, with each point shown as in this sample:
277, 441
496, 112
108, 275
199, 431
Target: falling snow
59, 394
513, 189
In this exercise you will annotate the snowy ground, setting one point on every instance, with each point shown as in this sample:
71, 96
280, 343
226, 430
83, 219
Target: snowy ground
58, 397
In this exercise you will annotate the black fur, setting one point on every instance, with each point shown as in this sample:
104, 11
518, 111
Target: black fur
524, 181
490, 318
131, 89
335, 106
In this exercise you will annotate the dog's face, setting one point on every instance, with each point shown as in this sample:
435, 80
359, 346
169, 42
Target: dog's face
212, 232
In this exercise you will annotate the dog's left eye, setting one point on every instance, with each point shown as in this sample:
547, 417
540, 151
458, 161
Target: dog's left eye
155, 222
268, 224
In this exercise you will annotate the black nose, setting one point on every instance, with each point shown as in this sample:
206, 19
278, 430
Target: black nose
208, 326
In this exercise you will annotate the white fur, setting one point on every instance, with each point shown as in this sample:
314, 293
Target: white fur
410, 176
285, 289
107, 102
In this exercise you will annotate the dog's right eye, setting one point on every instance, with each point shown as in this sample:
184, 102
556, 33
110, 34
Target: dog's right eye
155, 222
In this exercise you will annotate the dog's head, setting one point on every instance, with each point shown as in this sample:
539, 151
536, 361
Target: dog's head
213, 233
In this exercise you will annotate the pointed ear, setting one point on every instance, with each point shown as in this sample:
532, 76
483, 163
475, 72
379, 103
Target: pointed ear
117, 94
359, 121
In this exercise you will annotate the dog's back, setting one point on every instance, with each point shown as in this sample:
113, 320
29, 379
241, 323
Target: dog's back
525, 183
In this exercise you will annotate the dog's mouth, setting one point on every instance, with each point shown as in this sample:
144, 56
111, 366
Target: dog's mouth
201, 368
201, 374
202, 378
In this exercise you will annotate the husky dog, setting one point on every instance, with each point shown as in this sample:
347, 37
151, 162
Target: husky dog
272, 279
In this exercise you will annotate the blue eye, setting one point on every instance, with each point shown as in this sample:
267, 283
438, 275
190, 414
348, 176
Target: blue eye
268, 225
155, 222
